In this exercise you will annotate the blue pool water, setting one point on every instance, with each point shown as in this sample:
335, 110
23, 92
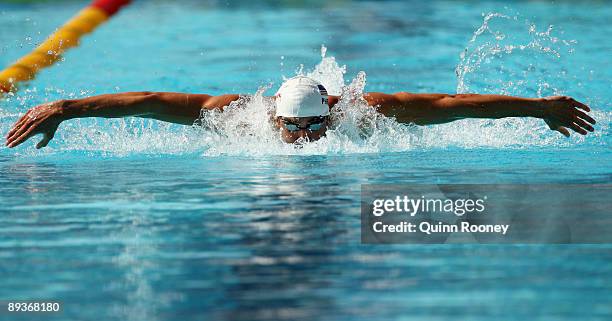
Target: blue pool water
137, 220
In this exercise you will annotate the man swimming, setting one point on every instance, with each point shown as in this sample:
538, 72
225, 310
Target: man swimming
303, 110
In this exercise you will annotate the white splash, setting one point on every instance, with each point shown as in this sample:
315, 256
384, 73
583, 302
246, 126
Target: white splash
509, 56
244, 127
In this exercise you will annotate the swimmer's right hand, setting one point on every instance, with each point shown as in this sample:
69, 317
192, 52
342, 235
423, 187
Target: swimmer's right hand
43, 119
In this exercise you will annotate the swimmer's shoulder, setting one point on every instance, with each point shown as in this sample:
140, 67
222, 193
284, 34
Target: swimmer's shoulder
332, 100
220, 101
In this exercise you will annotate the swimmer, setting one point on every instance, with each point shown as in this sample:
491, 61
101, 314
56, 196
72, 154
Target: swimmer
302, 110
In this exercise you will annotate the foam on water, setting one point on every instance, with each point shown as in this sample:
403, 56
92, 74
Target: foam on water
520, 64
244, 128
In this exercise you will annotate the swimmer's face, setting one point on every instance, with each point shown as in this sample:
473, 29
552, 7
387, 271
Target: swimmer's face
309, 128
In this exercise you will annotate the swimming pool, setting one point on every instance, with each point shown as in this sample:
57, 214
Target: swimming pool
138, 220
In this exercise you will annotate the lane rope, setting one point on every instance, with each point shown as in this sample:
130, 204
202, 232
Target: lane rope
64, 38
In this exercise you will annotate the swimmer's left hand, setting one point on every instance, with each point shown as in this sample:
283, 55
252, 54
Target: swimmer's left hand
563, 112
43, 119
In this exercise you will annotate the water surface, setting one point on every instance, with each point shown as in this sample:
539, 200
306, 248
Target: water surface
137, 220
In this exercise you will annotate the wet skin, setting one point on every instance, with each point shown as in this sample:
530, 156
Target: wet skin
561, 113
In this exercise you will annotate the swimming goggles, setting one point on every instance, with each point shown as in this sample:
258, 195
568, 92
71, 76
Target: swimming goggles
313, 125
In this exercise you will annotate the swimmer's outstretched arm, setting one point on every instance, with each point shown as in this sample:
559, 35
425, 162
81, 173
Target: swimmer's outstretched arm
176, 108
559, 112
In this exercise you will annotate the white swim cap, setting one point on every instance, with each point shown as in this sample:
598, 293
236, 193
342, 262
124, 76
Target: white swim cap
301, 97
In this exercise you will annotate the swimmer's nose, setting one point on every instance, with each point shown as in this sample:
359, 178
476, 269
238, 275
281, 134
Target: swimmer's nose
303, 133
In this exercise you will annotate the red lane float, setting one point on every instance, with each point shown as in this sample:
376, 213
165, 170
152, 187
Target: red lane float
110, 6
